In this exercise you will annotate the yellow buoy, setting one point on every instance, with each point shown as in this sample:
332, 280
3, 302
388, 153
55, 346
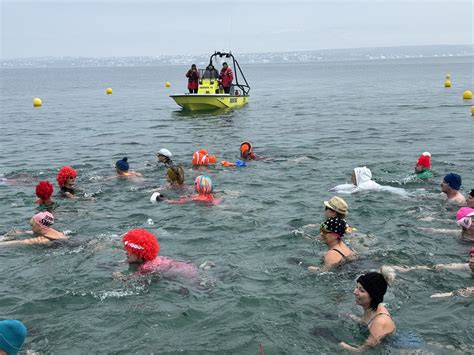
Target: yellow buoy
447, 83
168, 84
108, 91
467, 95
472, 110
37, 102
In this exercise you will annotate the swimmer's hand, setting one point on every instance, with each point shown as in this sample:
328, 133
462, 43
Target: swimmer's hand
443, 294
347, 346
119, 276
314, 269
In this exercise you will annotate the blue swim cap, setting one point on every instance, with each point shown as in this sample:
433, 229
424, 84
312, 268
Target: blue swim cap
453, 180
240, 163
122, 164
12, 336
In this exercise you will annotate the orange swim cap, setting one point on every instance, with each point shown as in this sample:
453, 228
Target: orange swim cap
245, 146
212, 159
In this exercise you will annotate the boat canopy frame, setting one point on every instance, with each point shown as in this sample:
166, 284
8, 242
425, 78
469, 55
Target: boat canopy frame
245, 87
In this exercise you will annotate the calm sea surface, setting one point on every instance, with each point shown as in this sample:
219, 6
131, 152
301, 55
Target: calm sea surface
317, 121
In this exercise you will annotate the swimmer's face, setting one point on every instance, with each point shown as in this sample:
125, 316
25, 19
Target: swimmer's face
362, 297
329, 213
161, 158
134, 259
470, 201
444, 186
418, 168
71, 181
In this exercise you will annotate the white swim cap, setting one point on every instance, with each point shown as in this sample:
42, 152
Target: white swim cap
164, 152
156, 197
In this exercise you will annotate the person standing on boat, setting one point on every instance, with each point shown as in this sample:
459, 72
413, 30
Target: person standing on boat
193, 79
210, 72
225, 78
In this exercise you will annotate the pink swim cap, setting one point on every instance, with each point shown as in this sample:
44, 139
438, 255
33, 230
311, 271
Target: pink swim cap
46, 219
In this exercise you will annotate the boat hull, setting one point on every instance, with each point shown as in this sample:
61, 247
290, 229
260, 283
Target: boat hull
203, 102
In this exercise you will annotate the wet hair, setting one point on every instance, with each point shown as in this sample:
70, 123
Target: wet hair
472, 193
376, 283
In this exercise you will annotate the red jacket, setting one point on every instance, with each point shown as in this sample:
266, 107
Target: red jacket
193, 78
226, 77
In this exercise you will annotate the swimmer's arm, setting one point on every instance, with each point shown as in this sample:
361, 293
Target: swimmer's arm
69, 195
179, 201
453, 266
31, 241
441, 230
311, 226
463, 292
379, 329
410, 268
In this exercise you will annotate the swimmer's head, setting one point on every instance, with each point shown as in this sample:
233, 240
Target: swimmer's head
375, 284
66, 175
140, 245
43, 219
464, 217
203, 185
451, 181
470, 199
245, 149
337, 206
163, 155
424, 160
44, 190
122, 165
334, 225
12, 336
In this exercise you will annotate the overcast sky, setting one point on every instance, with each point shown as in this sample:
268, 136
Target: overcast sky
148, 28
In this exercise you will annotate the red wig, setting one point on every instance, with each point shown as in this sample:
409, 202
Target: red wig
64, 173
44, 190
141, 243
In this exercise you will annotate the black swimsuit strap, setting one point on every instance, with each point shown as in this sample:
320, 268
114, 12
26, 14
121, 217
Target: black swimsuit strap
343, 256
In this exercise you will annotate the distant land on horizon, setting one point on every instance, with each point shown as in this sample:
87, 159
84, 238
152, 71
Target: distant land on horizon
343, 54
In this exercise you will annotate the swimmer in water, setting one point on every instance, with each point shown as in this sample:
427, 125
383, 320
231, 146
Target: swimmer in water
368, 294
67, 181
469, 266
247, 153
41, 224
202, 157
463, 292
423, 166
335, 207
470, 199
331, 232
122, 167
44, 191
142, 248
204, 187
362, 181
174, 172
450, 186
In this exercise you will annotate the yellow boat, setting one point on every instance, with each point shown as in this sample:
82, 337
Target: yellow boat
210, 96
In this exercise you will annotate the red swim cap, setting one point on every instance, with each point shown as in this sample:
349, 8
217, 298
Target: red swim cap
141, 243
424, 160
64, 173
44, 190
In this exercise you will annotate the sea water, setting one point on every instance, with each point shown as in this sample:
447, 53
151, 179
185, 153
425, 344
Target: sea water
317, 121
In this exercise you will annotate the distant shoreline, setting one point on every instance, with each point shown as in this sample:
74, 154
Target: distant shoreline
326, 55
